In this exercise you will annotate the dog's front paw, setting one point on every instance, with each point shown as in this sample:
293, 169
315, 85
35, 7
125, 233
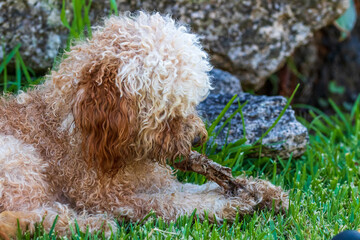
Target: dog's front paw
261, 194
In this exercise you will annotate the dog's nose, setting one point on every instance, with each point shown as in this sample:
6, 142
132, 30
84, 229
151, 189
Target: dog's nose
197, 141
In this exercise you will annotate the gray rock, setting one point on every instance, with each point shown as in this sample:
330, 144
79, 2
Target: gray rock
286, 138
250, 38
37, 27
224, 82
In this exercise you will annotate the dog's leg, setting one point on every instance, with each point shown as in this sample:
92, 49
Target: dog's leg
159, 191
46, 215
25, 194
22, 185
180, 199
22, 174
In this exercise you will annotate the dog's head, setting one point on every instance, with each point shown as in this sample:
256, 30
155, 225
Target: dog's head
134, 87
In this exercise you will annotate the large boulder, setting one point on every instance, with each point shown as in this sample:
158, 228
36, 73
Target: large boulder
249, 38
260, 112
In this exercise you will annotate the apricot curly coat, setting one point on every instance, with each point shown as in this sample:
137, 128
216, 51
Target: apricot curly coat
91, 142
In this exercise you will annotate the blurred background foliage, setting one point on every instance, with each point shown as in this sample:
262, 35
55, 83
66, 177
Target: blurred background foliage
326, 68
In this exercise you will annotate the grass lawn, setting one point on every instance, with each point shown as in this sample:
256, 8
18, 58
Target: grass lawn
323, 186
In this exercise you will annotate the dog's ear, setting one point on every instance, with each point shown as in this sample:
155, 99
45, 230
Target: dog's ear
103, 118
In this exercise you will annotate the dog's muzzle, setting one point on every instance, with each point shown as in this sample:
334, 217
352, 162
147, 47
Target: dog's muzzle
197, 141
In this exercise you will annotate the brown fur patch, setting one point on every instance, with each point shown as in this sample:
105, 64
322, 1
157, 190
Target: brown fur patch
103, 118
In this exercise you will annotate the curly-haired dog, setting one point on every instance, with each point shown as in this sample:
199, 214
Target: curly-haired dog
91, 143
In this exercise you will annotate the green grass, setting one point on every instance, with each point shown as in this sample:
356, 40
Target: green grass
24, 76
80, 26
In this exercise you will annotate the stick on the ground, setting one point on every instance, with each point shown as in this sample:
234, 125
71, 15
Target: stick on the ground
211, 170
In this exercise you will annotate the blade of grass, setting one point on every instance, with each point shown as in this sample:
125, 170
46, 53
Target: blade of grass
355, 108
113, 7
63, 16
242, 118
23, 67
77, 228
317, 111
53, 225
5, 79
228, 120
9, 57
78, 19
151, 213
341, 115
87, 19
18, 73
221, 115
280, 115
